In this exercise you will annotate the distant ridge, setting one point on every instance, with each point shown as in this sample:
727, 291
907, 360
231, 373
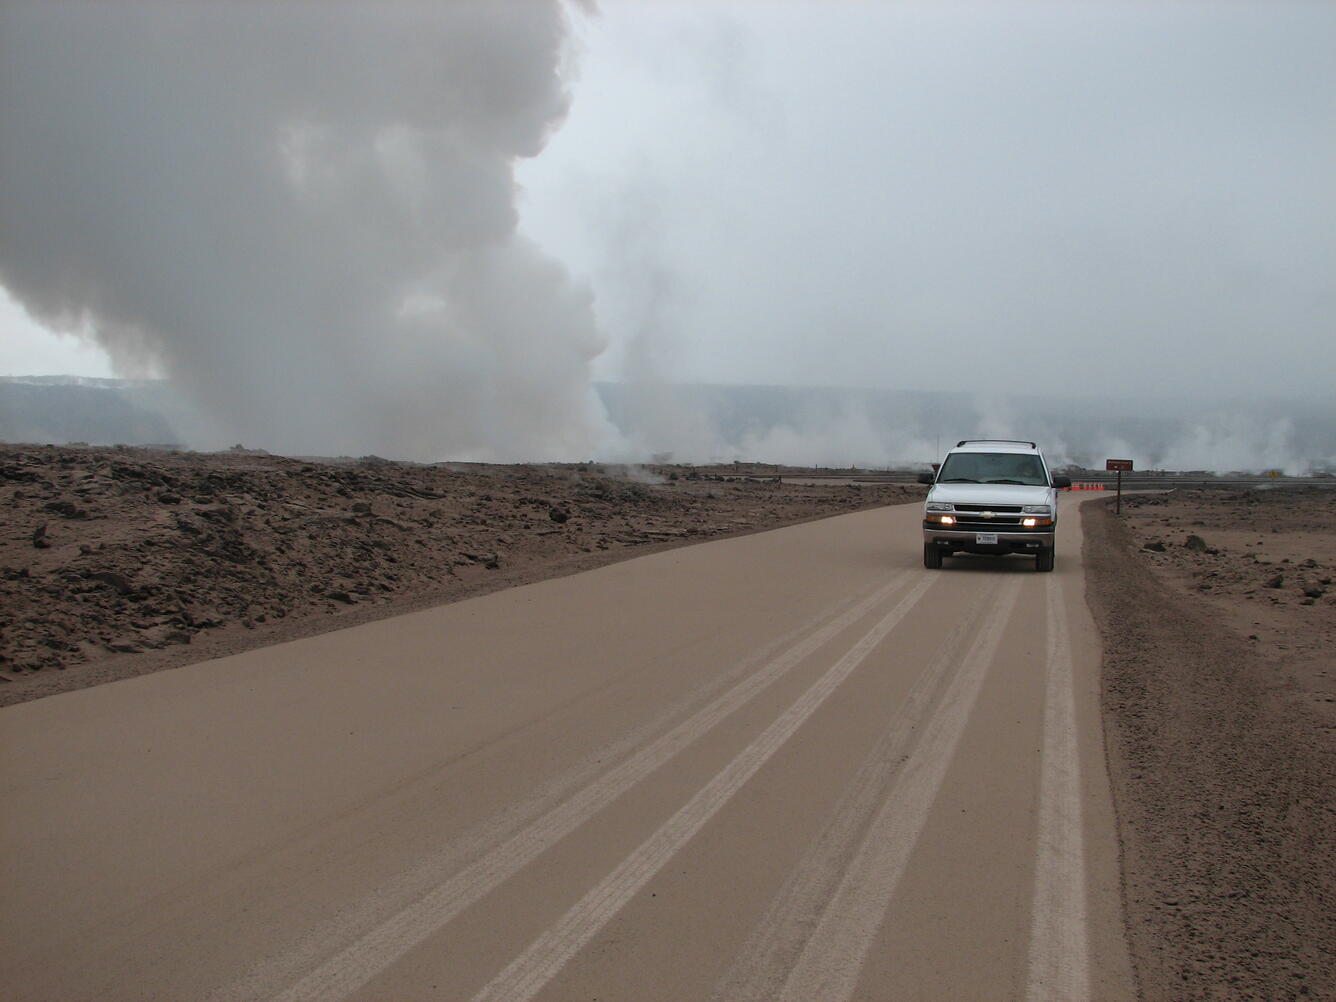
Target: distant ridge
92, 381
797, 425
61, 409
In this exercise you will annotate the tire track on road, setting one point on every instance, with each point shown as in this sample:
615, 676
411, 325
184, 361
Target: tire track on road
833, 957
317, 946
772, 949
352, 967
548, 954
1059, 965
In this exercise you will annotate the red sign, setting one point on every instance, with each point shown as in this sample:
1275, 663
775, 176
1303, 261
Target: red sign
1125, 465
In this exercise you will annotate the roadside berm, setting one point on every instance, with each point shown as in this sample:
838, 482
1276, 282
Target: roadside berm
119, 561
1219, 694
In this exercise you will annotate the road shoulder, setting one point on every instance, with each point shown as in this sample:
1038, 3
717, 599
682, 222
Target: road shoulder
1225, 792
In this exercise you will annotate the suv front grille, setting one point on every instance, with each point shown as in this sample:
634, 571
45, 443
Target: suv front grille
1003, 522
984, 507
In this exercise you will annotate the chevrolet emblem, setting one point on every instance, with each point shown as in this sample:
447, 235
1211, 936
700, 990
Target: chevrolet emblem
987, 514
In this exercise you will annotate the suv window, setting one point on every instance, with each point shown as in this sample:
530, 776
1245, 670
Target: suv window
992, 468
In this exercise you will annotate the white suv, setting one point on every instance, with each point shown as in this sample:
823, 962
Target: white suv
991, 496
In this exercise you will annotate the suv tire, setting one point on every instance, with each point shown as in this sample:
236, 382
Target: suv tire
932, 556
1043, 560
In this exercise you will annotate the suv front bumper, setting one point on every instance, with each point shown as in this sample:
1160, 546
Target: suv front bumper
1027, 541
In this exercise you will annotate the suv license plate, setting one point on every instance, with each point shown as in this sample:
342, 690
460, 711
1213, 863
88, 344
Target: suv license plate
986, 538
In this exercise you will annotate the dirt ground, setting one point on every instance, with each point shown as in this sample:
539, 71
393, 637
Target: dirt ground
115, 562
1217, 610
1219, 620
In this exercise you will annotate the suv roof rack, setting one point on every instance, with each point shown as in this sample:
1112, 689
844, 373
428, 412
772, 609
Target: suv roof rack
980, 441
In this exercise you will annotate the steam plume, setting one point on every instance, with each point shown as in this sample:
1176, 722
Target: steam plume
304, 215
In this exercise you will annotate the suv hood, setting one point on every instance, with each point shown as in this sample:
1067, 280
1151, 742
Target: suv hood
990, 494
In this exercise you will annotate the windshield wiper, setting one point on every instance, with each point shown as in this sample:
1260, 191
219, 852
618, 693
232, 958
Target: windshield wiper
1022, 483
959, 480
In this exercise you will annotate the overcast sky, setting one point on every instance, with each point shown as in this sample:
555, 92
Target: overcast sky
1044, 195
1007, 196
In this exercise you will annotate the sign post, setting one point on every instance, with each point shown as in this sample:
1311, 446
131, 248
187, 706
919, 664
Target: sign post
1119, 465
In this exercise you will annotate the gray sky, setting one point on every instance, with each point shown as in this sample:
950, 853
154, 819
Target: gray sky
1002, 196
1050, 195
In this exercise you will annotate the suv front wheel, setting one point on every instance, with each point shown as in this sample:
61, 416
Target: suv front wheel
1043, 560
932, 556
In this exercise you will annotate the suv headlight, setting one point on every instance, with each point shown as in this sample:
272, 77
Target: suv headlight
941, 506
1037, 509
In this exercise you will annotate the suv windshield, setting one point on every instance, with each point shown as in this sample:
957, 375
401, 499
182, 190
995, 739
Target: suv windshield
992, 468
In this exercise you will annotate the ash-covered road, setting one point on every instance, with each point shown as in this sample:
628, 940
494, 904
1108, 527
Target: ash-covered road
793, 765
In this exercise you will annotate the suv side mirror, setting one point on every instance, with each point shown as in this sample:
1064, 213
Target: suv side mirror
1062, 481
926, 478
